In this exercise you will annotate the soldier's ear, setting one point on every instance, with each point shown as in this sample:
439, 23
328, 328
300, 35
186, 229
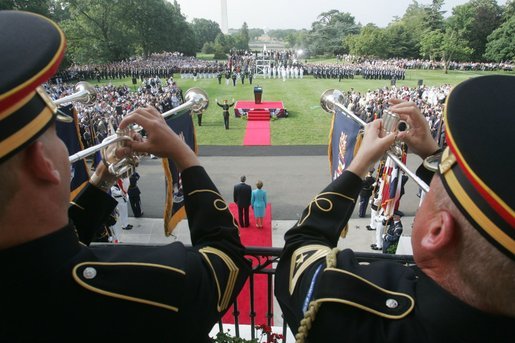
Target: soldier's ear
42, 167
440, 232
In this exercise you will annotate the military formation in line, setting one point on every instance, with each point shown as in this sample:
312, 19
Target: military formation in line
243, 64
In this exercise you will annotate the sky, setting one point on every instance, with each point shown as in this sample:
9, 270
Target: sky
292, 14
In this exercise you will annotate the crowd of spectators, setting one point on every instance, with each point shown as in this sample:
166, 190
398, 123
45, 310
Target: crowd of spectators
428, 64
371, 105
112, 103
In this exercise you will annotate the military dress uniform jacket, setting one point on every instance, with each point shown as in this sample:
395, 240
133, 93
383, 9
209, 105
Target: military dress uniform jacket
56, 288
378, 302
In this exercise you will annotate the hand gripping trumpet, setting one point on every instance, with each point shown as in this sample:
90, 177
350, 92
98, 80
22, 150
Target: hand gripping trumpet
195, 99
332, 99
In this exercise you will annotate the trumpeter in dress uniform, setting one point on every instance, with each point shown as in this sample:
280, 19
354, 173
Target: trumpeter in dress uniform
462, 288
55, 288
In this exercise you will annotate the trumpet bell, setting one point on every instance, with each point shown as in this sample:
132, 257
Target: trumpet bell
199, 99
90, 95
84, 93
329, 98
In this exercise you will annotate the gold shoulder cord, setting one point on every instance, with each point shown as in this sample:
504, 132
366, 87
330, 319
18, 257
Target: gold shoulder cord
310, 314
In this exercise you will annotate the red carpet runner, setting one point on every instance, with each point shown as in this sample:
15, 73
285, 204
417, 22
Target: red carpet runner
258, 128
253, 236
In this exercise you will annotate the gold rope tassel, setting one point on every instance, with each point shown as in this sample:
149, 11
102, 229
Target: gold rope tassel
314, 306
359, 139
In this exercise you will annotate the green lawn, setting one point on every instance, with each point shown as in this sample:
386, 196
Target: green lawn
307, 123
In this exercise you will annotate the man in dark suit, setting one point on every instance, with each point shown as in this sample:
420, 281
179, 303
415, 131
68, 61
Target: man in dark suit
55, 287
242, 195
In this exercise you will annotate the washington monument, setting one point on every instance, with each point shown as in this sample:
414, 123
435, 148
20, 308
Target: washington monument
225, 28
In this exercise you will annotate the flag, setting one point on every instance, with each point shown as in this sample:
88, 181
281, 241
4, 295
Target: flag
174, 211
394, 180
69, 133
344, 135
390, 176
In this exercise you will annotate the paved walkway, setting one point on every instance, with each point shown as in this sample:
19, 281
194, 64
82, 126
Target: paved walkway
150, 231
292, 176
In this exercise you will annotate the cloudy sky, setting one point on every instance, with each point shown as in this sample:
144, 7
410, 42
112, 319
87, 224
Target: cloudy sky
299, 14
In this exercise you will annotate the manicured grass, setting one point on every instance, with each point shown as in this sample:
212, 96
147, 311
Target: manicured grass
307, 123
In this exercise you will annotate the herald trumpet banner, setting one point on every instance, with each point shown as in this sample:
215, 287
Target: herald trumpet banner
195, 99
332, 99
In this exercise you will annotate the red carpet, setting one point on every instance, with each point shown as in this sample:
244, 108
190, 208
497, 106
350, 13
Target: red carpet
257, 133
252, 236
263, 105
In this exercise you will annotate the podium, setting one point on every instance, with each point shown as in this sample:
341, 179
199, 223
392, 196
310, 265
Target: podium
258, 91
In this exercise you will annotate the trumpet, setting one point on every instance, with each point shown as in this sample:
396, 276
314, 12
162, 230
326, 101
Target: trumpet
84, 93
332, 99
195, 99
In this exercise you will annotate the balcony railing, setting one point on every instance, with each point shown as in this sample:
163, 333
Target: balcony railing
264, 260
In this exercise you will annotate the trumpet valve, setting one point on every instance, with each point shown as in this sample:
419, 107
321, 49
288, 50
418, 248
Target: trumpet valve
392, 122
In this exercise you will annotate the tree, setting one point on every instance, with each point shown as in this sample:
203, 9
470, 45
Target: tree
36, 6
401, 41
454, 48
501, 43
242, 38
291, 40
208, 48
431, 44
95, 33
222, 47
406, 33
434, 16
102, 31
329, 31
255, 33
474, 22
158, 26
508, 10
205, 31
369, 42
280, 34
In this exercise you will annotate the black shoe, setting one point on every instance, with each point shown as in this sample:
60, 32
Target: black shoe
375, 247
128, 227
370, 228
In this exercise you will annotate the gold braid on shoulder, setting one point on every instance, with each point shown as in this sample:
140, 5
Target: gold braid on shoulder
310, 314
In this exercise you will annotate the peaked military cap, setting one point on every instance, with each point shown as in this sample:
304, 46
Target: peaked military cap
477, 167
32, 49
